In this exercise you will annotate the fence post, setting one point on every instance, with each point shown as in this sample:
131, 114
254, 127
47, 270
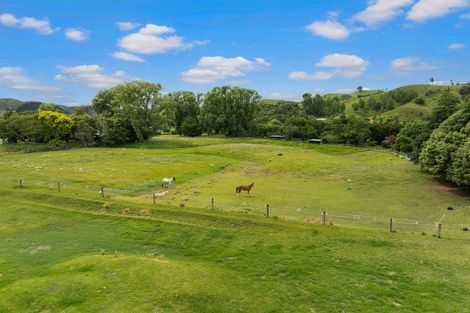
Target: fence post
267, 210
102, 191
154, 197
439, 228
58, 185
212, 203
21, 183
323, 218
391, 224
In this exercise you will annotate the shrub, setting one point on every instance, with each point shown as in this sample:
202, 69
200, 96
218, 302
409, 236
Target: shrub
420, 101
465, 90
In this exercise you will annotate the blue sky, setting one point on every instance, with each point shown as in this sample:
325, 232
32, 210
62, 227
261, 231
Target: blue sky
65, 51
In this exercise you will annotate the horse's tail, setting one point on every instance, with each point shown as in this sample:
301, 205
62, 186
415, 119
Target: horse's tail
237, 189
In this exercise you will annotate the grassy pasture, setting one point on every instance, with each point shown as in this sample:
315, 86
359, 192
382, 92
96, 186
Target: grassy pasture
75, 251
300, 183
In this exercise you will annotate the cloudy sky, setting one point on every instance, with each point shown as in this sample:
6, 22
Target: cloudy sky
65, 51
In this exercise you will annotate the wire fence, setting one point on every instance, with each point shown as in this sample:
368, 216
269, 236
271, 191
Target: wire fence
439, 229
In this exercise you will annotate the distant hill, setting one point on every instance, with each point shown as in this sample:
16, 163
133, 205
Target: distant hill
410, 110
405, 111
28, 106
273, 101
9, 104
24, 106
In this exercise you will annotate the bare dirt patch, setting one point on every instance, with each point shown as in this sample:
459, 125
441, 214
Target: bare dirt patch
447, 188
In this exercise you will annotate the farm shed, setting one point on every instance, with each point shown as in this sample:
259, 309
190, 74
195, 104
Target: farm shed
315, 141
276, 137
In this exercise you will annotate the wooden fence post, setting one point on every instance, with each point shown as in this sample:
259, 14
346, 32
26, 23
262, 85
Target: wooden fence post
323, 218
58, 185
439, 228
154, 197
391, 224
212, 203
267, 210
102, 191
21, 183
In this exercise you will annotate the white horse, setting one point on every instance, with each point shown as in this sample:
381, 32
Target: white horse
167, 182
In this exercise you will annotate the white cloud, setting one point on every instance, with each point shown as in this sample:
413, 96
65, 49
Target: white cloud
127, 56
262, 62
339, 65
8, 19
345, 90
282, 96
381, 11
152, 29
14, 78
192, 44
201, 42
342, 61
127, 25
300, 75
77, 34
465, 16
456, 46
152, 39
410, 64
212, 69
43, 26
149, 44
345, 65
92, 76
329, 29
426, 10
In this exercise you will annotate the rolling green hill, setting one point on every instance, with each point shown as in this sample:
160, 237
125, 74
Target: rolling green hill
24, 106
405, 111
81, 251
9, 104
410, 110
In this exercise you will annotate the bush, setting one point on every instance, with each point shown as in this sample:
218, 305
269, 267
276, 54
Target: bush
329, 137
411, 138
420, 101
191, 127
56, 143
465, 90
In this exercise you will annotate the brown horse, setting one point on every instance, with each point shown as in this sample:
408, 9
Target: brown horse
239, 189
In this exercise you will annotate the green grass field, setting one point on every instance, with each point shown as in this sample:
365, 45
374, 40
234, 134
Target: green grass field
76, 251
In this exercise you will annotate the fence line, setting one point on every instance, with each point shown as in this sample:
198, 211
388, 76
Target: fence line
438, 229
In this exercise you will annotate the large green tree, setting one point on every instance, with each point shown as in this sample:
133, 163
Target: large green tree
446, 106
184, 108
349, 129
55, 125
130, 105
313, 105
230, 111
411, 138
446, 152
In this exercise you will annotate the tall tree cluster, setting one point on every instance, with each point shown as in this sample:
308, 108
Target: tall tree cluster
136, 111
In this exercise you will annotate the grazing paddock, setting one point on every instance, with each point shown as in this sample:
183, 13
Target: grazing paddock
300, 183
79, 251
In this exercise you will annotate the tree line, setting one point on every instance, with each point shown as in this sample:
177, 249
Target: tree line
136, 111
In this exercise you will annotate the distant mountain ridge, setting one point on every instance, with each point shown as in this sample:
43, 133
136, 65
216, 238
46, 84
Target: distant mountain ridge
24, 106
